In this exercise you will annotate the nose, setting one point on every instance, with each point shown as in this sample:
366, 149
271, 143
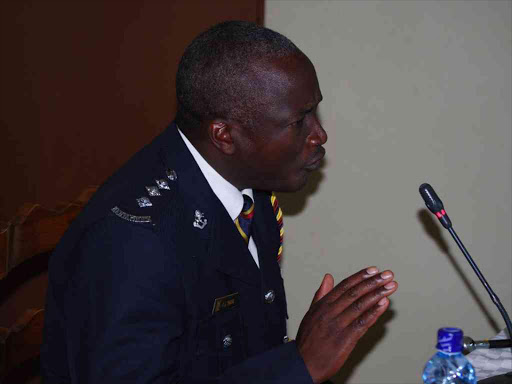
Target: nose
318, 135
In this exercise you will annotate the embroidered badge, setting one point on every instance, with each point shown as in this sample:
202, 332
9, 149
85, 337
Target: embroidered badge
200, 221
132, 218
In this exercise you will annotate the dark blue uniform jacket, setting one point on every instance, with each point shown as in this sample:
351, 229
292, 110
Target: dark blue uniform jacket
131, 289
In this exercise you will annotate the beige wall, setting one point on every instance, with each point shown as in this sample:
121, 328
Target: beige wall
414, 91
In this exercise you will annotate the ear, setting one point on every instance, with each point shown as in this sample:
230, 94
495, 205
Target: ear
220, 133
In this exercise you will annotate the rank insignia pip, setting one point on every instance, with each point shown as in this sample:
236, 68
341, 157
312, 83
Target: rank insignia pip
162, 184
144, 202
153, 191
172, 175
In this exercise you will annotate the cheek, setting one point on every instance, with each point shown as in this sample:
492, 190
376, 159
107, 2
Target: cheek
285, 157
286, 153
289, 163
296, 151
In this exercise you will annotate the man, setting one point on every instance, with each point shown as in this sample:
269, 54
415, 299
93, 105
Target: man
170, 274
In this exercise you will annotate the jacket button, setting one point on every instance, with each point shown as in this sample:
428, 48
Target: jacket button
227, 341
270, 296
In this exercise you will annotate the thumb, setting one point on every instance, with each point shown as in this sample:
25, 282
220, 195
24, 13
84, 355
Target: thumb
326, 287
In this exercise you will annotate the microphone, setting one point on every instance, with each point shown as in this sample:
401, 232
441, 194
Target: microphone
435, 205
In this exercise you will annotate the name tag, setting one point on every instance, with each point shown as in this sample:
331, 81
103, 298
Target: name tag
225, 302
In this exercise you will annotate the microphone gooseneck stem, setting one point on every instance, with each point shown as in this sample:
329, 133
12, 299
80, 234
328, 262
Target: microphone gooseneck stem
470, 345
499, 343
491, 293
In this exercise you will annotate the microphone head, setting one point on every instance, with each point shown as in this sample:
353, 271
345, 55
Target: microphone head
434, 204
432, 201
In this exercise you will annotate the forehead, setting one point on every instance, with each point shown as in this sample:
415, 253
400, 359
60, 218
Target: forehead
285, 86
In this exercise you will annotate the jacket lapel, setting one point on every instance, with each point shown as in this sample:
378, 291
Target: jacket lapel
233, 256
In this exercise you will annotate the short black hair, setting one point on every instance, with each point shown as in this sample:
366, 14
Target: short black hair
209, 81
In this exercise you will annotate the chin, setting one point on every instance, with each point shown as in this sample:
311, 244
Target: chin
294, 185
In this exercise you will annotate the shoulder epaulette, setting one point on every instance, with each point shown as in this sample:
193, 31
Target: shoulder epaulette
145, 201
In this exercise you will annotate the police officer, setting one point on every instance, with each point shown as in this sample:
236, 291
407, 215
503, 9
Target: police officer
170, 274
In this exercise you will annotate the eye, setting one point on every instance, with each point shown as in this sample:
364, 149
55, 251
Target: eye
300, 122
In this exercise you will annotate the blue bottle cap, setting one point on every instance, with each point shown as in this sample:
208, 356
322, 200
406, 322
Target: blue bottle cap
449, 340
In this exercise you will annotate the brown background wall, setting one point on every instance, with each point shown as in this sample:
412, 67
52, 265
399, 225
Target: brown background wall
84, 85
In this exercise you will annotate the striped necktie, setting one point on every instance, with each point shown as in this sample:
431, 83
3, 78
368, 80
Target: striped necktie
243, 221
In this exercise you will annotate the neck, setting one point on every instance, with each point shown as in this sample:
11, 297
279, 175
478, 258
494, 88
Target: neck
219, 161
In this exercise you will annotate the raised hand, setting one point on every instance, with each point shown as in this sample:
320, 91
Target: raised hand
339, 316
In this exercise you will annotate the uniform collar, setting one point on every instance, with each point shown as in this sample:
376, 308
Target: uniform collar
230, 196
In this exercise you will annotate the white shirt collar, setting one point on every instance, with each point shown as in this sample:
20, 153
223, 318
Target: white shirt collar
226, 192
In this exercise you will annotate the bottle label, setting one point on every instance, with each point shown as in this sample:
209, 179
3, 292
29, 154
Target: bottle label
445, 343
449, 340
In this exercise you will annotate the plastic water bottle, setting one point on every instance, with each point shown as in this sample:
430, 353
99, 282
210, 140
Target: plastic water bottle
449, 365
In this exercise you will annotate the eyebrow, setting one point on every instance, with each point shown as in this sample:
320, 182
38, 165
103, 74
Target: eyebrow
311, 106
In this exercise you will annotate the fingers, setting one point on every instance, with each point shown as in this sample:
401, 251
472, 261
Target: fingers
366, 303
365, 287
360, 325
326, 286
351, 281
356, 292
340, 316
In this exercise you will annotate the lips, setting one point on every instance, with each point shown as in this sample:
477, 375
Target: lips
315, 163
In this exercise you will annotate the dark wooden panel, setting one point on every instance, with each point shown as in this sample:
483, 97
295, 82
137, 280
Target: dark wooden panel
85, 84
